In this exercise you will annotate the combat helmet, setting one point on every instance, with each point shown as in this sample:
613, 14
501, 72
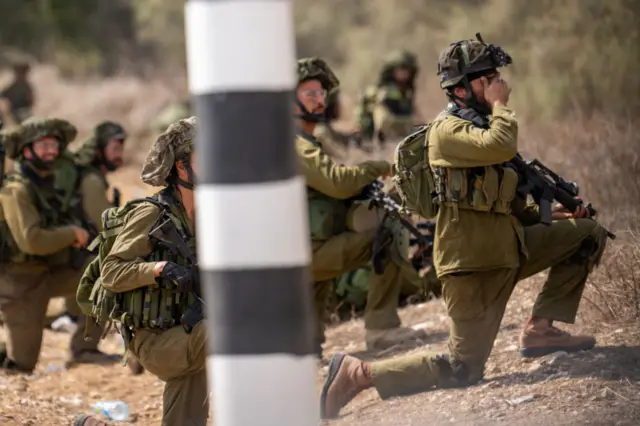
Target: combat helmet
469, 58
102, 134
399, 59
175, 144
315, 69
35, 128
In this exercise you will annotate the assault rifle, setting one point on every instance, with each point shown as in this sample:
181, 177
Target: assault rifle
168, 235
382, 200
545, 186
78, 217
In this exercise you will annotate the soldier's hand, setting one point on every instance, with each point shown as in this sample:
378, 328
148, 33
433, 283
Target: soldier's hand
560, 212
82, 237
496, 91
180, 275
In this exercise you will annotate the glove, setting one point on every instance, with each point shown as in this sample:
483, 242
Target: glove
180, 275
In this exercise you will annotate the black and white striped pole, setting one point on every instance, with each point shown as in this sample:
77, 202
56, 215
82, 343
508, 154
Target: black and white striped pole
251, 213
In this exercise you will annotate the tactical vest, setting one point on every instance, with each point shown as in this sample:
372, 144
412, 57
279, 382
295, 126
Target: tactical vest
158, 306
51, 216
483, 189
68, 176
397, 102
327, 215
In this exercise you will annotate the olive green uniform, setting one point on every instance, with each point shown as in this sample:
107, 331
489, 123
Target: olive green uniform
393, 115
337, 249
485, 243
175, 357
20, 96
149, 307
93, 190
38, 270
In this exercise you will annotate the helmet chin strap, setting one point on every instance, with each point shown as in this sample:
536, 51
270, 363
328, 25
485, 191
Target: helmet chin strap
190, 176
470, 100
306, 115
38, 162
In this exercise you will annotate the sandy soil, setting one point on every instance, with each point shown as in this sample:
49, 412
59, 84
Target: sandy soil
600, 387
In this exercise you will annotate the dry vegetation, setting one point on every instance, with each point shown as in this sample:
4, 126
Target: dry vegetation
575, 86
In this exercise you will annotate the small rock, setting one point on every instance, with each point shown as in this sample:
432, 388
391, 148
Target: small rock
423, 325
533, 367
511, 348
554, 357
521, 400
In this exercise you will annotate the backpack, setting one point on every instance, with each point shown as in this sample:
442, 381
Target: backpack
94, 300
364, 112
413, 177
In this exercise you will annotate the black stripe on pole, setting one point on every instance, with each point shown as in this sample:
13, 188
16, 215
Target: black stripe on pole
267, 314
249, 128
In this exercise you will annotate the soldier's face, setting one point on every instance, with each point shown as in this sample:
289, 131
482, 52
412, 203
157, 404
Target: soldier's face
46, 149
401, 75
313, 96
478, 89
114, 152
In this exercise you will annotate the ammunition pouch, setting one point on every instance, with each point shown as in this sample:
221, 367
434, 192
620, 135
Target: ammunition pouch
483, 189
327, 217
192, 316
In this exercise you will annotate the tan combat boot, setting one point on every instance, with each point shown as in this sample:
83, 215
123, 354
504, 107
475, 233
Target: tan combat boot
347, 377
539, 338
86, 420
134, 366
386, 338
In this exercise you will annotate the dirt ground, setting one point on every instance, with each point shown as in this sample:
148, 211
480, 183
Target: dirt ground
600, 387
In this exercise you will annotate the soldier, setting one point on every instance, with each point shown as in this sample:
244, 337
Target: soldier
155, 286
42, 254
331, 189
19, 93
487, 239
388, 111
86, 170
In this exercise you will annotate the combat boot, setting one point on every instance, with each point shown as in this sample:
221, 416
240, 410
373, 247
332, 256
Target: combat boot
91, 356
347, 377
134, 366
86, 420
380, 339
539, 338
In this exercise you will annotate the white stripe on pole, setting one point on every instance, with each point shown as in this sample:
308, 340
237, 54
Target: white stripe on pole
253, 226
254, 38
283, 386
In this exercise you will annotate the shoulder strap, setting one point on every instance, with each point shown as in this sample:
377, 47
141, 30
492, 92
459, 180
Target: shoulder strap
113, 226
